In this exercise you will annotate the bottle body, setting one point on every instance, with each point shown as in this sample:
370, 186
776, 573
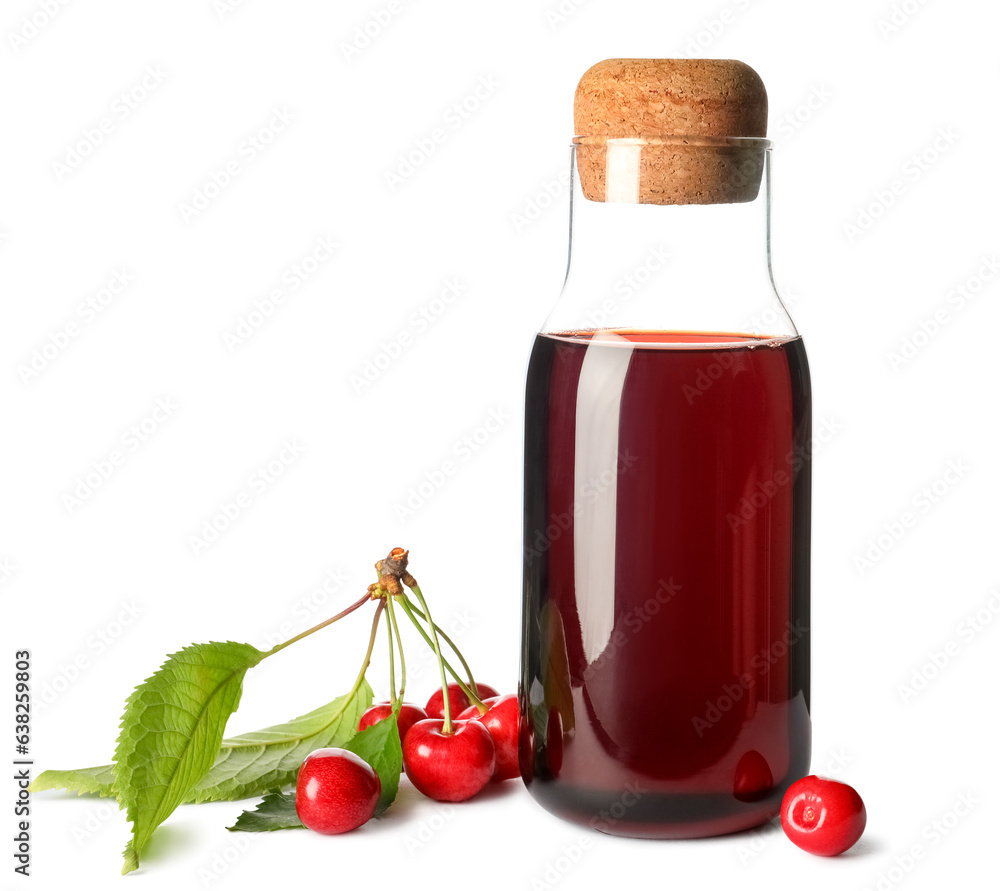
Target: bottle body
665, 645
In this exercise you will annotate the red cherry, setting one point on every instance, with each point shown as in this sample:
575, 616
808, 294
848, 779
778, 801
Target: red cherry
336, 791
501, 719
409, 714
753, 778
448, 766
457, 699
822, 816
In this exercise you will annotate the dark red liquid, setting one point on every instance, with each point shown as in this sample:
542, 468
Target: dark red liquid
665, 661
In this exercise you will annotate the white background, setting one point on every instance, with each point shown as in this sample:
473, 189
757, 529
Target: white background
71, 572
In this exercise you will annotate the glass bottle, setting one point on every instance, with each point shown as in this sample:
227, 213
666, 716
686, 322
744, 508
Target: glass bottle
665, 647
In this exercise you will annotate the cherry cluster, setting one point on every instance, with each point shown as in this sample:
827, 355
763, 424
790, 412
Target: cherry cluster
337, 791
463, 738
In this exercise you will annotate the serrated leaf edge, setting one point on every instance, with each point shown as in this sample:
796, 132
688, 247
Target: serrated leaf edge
123, 748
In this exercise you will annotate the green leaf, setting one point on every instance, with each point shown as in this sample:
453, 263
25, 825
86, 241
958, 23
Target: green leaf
276, 811
249, 764
379, 746
171, 732
86, 780
254, 763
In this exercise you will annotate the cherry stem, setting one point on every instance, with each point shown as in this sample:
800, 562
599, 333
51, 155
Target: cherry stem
371, 646
446, 729
472, 690
394, 624
408, 609
392, 662
357, 605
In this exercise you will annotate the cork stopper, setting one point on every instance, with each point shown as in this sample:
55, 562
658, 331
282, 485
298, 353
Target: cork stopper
670, 131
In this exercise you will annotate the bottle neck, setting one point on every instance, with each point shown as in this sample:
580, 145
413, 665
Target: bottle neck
674, 267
